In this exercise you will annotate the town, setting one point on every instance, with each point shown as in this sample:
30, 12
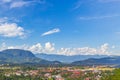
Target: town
55, 73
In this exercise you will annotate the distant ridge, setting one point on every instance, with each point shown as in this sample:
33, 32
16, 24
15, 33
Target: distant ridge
18, 53
67, 59
17, 56
115, 60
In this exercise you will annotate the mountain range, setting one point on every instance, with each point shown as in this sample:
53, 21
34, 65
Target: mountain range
17, 56
67, 59
113, 60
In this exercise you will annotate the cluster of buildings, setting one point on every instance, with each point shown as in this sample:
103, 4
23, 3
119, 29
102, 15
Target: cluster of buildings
61, 73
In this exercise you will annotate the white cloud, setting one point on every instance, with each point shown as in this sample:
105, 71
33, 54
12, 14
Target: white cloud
11, 30
4, 46
19, 4
56, 30
49, 48
103, 50
104, 47
37, 48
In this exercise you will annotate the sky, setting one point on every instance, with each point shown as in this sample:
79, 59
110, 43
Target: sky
65, 27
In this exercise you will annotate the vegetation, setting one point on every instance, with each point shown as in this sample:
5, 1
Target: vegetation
115, 75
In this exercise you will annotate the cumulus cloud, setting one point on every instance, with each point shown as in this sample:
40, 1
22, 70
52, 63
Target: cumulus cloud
8, 28
56, 30
11, 30
103, 50
49, 48
36, 48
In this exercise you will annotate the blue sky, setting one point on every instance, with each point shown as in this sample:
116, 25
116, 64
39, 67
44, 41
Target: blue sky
67, 27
